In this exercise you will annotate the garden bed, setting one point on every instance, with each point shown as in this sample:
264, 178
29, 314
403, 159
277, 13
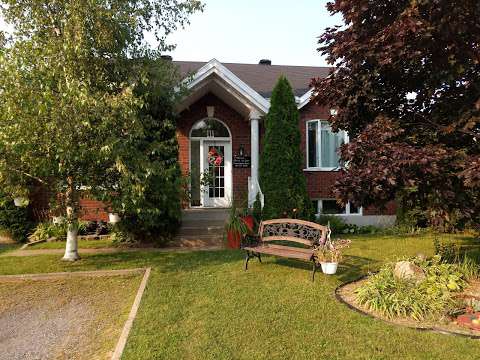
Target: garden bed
346, 294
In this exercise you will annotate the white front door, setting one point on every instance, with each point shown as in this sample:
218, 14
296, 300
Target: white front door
217, 162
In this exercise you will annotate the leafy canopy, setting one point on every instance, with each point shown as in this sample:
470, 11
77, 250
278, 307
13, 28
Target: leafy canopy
75, 86
407, 89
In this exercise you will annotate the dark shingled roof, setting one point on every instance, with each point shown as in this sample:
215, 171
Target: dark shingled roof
262, 78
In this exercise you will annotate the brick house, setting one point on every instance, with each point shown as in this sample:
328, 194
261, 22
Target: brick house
222, 114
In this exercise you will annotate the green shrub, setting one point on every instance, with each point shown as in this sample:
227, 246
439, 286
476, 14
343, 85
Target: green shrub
368, 229
14, 220
47, 230
430, 298
337, 224
257, 209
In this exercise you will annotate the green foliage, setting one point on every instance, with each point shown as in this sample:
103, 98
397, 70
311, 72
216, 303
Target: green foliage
91, 106
235, 222
47, 230
339, 226
430, 298
281, 176
150, 186
410, 102
448, 251
257, 209
14, 220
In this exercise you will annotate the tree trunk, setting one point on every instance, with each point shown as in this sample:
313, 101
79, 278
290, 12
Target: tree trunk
71, 248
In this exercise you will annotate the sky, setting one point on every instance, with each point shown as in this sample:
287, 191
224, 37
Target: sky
245, 31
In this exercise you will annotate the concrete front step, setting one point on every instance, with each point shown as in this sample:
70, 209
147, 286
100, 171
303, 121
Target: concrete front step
199, 229
204, 214
202, 228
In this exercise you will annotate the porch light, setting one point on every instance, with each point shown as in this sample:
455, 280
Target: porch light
333, 112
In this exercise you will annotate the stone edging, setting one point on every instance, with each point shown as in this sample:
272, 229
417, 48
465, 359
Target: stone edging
122, 341
425, 329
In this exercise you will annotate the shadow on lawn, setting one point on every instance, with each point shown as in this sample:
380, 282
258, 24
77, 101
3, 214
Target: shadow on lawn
166, 262
351, 268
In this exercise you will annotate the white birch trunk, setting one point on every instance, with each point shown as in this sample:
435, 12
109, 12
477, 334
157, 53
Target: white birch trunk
71, 247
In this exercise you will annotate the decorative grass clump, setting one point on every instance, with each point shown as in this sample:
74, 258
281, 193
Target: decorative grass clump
431, 298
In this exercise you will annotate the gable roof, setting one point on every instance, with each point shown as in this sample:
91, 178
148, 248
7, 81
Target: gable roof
262, 78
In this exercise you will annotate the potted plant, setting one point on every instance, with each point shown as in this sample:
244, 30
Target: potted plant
330, 255
249, 220
235, 228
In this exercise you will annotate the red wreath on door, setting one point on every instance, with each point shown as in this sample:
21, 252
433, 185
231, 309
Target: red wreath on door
214, 157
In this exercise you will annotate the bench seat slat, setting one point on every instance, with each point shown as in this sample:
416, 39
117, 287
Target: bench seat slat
282, 251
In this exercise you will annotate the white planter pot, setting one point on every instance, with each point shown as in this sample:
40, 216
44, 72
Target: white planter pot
113, 218
20, 201
329, 268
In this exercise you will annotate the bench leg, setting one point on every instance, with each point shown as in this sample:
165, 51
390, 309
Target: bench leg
315, 268
247, 258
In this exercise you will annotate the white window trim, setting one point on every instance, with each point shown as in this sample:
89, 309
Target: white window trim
319, 168
347, 209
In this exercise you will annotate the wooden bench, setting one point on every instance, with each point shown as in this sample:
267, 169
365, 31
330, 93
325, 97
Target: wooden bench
282, 231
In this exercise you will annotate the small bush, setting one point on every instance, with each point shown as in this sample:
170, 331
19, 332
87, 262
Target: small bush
257, 209
431, 298
14, 220
337, 224
47, 230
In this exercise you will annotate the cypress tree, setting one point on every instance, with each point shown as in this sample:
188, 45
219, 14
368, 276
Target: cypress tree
281, 175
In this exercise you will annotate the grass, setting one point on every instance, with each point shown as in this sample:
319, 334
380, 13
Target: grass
82, 244
202, 305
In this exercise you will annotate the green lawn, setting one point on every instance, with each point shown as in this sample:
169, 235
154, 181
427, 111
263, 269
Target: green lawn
202, 305
82, 244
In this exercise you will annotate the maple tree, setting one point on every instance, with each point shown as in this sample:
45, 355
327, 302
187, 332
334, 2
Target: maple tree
406, 85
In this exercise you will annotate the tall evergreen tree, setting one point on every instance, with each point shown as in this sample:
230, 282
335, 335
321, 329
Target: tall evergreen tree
281, 162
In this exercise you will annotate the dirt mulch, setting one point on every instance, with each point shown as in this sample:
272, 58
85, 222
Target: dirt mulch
75, 318
346, 294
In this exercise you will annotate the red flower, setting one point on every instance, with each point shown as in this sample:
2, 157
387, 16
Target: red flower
218, 161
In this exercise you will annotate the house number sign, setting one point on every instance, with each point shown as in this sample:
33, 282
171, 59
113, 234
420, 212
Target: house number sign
241, 160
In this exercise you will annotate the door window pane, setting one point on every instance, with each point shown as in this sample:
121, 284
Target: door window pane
216, 166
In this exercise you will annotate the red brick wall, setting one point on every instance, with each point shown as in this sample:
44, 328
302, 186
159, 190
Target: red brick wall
93, 210
239, 127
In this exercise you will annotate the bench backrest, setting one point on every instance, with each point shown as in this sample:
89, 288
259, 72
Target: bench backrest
299, 231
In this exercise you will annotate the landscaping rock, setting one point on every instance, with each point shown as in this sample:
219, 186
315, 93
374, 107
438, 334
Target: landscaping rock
408, 271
